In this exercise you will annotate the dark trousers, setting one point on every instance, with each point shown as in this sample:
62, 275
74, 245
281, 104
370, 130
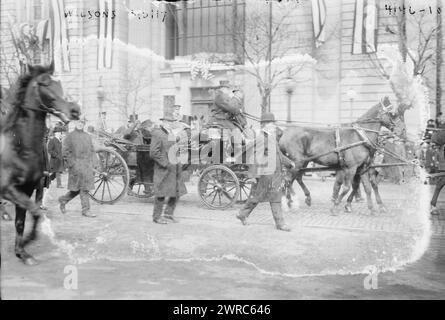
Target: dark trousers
276, 211
159, 207
84, 198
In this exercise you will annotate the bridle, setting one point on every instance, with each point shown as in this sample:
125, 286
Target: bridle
383, 111
42, 107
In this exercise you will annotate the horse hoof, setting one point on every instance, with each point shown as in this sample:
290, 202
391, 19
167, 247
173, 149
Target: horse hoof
348, 209
27, 259
308, 201
383, 209
30, 261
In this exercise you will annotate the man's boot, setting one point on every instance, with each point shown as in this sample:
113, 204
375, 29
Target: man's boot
88, 214
169, 210
245, 211
85, 203
157, 211
278, 217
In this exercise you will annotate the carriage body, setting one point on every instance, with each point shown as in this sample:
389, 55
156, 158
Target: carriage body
126, 168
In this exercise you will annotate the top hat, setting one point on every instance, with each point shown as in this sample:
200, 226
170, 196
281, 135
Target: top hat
133, 118
224, 84
267, 117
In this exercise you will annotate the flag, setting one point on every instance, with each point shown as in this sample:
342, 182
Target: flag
59, 35
319, 21
364, 35
105, 34
42, 32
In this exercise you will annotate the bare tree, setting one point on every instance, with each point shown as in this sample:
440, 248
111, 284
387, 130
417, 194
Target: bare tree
262, 37
135, 92
419, 46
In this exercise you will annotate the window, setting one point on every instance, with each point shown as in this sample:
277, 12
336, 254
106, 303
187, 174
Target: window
213, 26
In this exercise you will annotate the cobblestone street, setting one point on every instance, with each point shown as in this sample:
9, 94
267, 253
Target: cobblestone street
210, 255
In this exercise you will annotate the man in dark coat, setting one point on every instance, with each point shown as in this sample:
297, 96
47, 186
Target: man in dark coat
268, 173
227, 108
79, 152
167, 177
56, 157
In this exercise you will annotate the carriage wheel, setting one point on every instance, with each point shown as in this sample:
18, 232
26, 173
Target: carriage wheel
110, 178
245, 187
139, 190
218, 187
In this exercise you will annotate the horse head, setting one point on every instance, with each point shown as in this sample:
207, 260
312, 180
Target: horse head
391, 117
48, 92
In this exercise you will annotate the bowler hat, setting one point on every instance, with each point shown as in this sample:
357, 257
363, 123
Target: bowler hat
267, 117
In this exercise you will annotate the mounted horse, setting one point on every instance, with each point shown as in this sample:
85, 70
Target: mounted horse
21, 145
350, 149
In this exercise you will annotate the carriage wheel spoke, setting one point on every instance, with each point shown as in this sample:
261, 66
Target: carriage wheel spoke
109, 192
227, 195
219, 195
210, 193
214, 197
97, 188
116, 181
103, 192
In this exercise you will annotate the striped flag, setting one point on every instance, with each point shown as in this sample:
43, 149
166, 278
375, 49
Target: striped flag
42, 32
364, 39
319, 21
59, 35
105, 34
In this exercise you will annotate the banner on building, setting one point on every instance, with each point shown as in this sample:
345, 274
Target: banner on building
364, 36
59, 35
319, 21
42, 32
105, 34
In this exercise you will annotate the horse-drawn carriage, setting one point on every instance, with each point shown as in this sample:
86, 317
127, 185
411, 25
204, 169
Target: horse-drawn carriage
126, 168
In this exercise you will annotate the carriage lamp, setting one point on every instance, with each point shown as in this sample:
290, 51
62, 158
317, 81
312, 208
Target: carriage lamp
351, 95
289, 86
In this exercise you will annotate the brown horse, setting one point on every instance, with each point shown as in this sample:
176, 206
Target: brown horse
350, 149
21, 145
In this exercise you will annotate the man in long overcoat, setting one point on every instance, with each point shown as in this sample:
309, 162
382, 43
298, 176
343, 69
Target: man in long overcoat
56, 157
167, 178
79, 152
268, 173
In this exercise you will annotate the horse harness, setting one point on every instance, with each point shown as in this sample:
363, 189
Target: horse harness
340, 150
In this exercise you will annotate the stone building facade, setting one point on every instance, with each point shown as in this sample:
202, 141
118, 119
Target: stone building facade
155, 42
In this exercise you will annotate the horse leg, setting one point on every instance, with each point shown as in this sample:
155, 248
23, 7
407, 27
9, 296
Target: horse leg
374, 184
368, 190
308, 199
347, 182
355, 188
339, 177
23, 203
439, 185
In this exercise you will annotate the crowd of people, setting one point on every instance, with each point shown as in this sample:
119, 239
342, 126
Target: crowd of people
74, 152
